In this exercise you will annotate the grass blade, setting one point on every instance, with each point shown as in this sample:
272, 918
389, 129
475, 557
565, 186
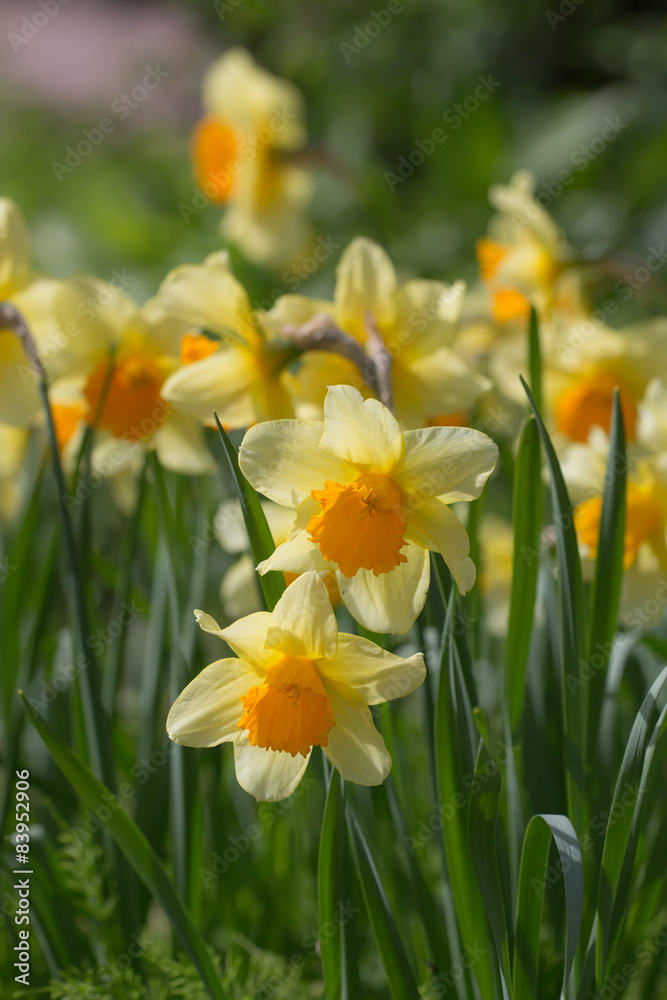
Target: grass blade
401, 979
261, 541
620, 838
535, 358
608, 568
455, 730
573, 639
331, 888
530, 906
482, 822
136, 849
527, 521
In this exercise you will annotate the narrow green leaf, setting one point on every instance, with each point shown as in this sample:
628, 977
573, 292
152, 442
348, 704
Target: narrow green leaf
331, 888
608, 567
533, 883
259, 533
573, 638
482, 822
535, 358
620, 838
455, 742
527, 521
136, 849
400, 977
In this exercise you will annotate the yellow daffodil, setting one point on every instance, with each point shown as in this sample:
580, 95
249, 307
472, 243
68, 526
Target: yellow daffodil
414, 323
244, 156
522, 258
645, 539
371, 501
297, 683
32, 295
241, 378
119, 355
582, 364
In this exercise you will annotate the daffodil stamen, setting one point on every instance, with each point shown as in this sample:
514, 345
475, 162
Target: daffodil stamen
291, 711
361, 525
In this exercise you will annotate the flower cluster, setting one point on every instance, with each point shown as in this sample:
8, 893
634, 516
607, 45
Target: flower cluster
359, 413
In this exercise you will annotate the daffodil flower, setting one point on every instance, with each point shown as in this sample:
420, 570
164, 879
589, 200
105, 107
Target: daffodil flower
522, 258
297, 683
123, 394
243, 151
416, 322
241, 378
371, 501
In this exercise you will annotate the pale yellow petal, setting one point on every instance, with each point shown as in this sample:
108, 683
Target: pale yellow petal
179, 443
240, 592
391, 601
19, 398
222, 382
210, 297
371, 671
14, 246
240, 92
302, 622
307, 379
283, 460
426, 317
95, 314
365, 283
208, 711
268, 775
355, 747
247, 637
297, 554
436, 527
452, 463
361, 431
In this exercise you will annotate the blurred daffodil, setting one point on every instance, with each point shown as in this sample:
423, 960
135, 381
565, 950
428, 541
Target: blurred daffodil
583, 362
240, 377
410, 328
118, 357
297, 683
371, 501
522, 258
244, 156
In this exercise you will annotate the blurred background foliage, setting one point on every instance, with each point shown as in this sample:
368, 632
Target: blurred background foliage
558, 71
